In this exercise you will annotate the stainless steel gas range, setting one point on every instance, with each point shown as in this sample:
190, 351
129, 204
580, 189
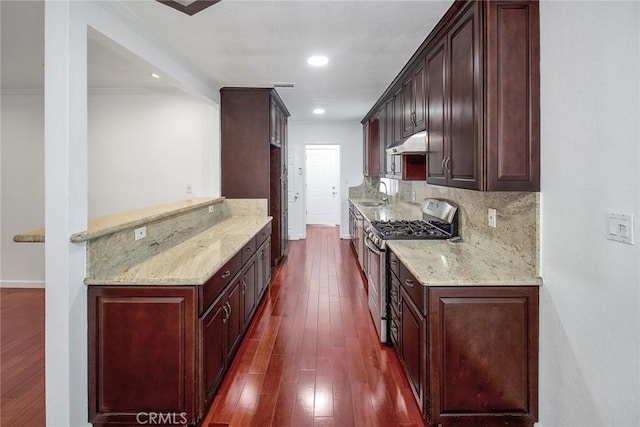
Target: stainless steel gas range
439, 221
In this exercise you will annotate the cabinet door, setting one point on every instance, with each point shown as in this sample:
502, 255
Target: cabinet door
249, 281
373, 147
398, 113
146, 367
235, 317
365, 148
483, 354
408, 107
389, 139
214, 352
465, 103
512, 96
413, 346
436, 113
419, 102
264, 267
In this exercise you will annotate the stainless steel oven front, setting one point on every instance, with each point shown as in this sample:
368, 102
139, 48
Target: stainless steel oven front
376, 276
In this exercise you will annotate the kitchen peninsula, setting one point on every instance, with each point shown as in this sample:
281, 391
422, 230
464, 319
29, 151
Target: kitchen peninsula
172, 290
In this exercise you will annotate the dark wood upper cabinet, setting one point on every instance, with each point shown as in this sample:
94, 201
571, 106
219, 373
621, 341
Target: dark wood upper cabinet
474, 85
254, 154
463, 142
413, 100
436, 112
371, 147
512, 91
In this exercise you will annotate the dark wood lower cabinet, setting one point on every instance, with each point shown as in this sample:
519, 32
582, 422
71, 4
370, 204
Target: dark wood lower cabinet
411, 346
152, 350
213, 353
142, 353
483, 354
470, 353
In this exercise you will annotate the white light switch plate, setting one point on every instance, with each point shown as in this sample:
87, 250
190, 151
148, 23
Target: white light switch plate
620, 228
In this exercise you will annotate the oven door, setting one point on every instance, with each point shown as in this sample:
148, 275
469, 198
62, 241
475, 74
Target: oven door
376, 261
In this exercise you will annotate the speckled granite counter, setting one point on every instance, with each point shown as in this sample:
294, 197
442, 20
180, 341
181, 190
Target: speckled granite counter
112, 223
396, 211
442, 263
193, 261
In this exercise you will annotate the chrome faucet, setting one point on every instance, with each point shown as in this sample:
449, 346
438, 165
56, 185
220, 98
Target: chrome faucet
385, 198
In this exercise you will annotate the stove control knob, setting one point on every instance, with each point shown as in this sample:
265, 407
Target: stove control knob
376, 240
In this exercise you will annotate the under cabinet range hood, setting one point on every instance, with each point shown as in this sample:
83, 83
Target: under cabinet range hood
415, 144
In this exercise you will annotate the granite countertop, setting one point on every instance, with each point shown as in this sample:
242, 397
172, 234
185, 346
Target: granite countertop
394, 211
444, 263
100, 226
193, 261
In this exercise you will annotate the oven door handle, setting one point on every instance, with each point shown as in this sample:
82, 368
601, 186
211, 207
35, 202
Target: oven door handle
371, 246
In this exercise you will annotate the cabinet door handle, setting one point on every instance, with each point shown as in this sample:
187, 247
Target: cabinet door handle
394, 262
448, 164
226, 274
409, 283
230, 309
249, 249
244, 287
226, 313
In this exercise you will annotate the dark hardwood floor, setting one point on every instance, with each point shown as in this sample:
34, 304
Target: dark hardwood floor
22, 357
311, 355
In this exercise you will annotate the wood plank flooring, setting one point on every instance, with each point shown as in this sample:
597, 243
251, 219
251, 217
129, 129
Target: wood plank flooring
311, 356
22, 357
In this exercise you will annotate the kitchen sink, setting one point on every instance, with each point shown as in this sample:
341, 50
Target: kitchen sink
372, 204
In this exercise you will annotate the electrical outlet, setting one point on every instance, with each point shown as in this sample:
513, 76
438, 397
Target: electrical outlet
189, 189
492, 217
414, 196
140, 233
211, 209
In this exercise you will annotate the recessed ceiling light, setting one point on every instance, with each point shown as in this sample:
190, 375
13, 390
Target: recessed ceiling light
318, 111
155, 76
317, 61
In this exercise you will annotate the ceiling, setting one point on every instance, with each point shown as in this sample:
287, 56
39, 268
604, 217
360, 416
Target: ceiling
250, 43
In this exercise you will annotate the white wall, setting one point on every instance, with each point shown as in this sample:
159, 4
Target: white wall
22, 190
590, 301
346, 134
144, 148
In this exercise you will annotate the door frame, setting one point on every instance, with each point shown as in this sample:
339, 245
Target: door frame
338, 181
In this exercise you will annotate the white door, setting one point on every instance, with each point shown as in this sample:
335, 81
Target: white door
294, 173
323, 179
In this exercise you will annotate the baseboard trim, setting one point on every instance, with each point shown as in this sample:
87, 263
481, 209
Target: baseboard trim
345, 236
22, 284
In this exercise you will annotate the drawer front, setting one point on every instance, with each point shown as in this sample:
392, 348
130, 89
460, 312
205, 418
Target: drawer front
263, 235
415, 290
218, 281
394, 264
248, 250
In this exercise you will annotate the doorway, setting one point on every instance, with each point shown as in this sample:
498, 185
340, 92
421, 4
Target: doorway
322, 184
